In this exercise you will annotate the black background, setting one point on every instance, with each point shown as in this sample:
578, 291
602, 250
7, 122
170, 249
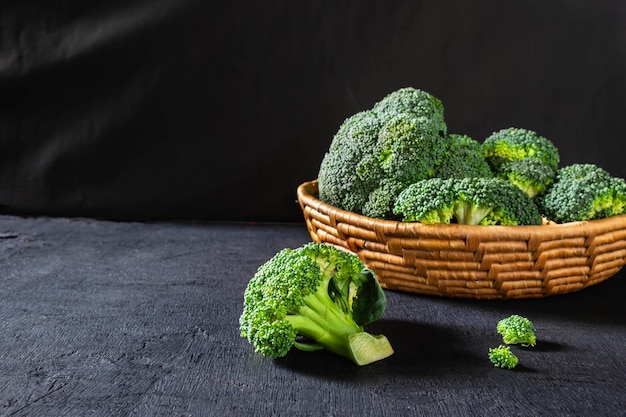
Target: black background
177, 109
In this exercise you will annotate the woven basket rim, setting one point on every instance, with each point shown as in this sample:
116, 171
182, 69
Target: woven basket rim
307, 194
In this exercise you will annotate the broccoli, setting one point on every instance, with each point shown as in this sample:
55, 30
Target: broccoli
516, 329
583, 192
531, 175
349, 171
378, 152
473, 201
311, 298
417, 103
516, 143
463, 158
430, 201
502, 357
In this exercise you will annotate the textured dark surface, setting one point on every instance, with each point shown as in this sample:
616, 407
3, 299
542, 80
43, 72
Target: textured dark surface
131, 319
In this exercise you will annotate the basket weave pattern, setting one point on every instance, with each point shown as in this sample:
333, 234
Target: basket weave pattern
481, 262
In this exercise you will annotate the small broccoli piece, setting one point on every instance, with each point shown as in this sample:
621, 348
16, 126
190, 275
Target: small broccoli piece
583, 192
473, 201
531, 175
516, 329
503, 357
515, 143
463, 158
311, 298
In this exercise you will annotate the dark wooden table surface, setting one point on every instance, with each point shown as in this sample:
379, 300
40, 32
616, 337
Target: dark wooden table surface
102, 318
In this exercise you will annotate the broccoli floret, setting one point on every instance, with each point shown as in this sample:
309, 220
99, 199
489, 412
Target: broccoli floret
531, 175
430, 201
516, 329
463, 158
378, 152
583, 192
417, 103
311, 298
407, 151
380, 201
349, 170
473, 201
503, 357
515, 143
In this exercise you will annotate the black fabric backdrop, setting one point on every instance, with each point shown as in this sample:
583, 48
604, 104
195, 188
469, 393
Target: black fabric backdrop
141, 109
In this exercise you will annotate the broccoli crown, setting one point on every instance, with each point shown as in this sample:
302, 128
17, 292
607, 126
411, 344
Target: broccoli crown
463, 158
583, 192
531, 175
381, 199
417, 103
516, 143
503, 357
473, 201
516, 329
349, 170
314, 297
408, 149
430, 201
378, 152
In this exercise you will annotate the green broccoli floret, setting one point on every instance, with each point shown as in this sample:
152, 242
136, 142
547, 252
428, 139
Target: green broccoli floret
531, 175
378, 152
417, 103
515, 143
583, 192
430, 201
463, 158
311, 298
349, 170
473, 201
516, 329
502, 357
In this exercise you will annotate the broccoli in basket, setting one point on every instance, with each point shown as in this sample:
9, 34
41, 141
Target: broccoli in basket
463, 158
311, 298
377, 153
583, 192
473, 201
514, 143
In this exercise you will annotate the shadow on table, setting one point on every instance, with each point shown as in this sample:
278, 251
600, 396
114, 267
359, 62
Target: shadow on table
419, 350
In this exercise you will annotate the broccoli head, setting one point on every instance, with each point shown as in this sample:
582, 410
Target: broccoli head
516, 329
463, 158
503, 357
349, 170
531, 175
583, 192
516, 143
378, 152
430, 201
417, 103
311, 298
473, 201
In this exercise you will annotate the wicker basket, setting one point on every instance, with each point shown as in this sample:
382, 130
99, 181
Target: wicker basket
480, 262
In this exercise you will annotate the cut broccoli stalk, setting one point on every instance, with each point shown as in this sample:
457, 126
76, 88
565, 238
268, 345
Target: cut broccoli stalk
325, 326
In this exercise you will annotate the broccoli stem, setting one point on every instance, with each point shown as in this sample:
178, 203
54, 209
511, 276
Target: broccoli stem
469, 213
328, 327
